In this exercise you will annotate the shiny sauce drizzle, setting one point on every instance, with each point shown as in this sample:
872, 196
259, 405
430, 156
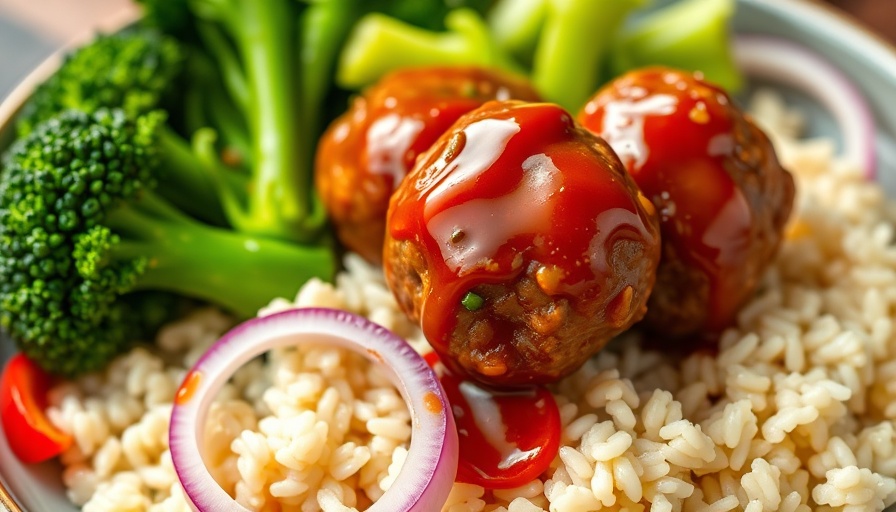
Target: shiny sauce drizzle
487, 200
507, 438
188, 387
675, 139
492, 199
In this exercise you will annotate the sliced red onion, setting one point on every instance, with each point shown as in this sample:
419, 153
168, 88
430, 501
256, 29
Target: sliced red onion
429, 470
786, 62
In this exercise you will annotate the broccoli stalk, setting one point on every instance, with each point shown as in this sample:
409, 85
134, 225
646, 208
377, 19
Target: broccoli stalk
691, 34
323, 28
574, 45
516, 25
135, 70
380, 44
238, 272
191, 182
82, 231
256, 45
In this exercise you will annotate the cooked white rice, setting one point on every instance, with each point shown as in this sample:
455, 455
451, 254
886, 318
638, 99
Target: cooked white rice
797, 412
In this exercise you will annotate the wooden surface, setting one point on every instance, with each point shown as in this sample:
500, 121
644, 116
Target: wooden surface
878, 15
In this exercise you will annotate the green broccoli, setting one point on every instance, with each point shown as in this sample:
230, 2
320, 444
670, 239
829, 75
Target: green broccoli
82, 229
132, 70
136, 70
264, 67
275, 59
380, 44
690, 34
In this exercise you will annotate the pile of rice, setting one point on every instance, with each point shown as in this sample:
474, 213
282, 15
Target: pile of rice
797, 411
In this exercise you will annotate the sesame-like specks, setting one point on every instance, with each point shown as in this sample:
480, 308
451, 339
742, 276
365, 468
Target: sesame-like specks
454, 147
548, 278
637, 92
375, 356
620, 308
646, 204
502, 94
699, 114
432, 403
492, 368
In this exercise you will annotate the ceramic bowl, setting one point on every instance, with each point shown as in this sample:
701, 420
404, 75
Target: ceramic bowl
867, 60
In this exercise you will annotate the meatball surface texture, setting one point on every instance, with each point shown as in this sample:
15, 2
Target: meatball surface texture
520, 244
722, 196
366, 152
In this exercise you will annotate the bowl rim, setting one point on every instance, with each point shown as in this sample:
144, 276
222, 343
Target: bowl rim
16, 98
812, 12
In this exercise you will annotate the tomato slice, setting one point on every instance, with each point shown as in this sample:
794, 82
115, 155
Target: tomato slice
23, 391
432, 359
507, 438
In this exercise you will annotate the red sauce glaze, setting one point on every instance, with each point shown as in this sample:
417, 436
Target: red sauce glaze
713, 177
507, 438
188, 387
366, 153
508, 185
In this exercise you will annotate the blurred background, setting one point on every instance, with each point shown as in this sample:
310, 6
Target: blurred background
31, 29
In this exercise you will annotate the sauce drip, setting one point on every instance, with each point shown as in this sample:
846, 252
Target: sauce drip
188, 387
507, 438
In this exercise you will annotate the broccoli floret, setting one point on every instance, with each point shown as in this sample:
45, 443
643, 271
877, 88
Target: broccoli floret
276, 60
135, 71
132, 70
82, 229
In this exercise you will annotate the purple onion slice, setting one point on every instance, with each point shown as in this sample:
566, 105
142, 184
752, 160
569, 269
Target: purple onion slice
429, 470
785, 62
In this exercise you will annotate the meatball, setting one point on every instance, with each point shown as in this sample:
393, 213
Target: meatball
366, 152
722, 196
520, 244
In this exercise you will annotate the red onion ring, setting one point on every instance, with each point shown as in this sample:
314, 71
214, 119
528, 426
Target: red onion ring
429, 470
783, 61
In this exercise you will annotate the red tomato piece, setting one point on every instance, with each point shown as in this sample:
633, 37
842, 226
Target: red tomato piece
432, 359
23, 390
507, 438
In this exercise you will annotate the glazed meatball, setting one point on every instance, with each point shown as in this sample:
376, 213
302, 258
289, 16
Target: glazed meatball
520, 244
722, 195
366, 152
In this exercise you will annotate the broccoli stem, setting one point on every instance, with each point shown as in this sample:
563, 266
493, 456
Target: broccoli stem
380, 44
516, 25
227, 121
188, 258
265, 85
279, 200
574, 45
186, 181
228, 63
692, 34
210, 105
323, 28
